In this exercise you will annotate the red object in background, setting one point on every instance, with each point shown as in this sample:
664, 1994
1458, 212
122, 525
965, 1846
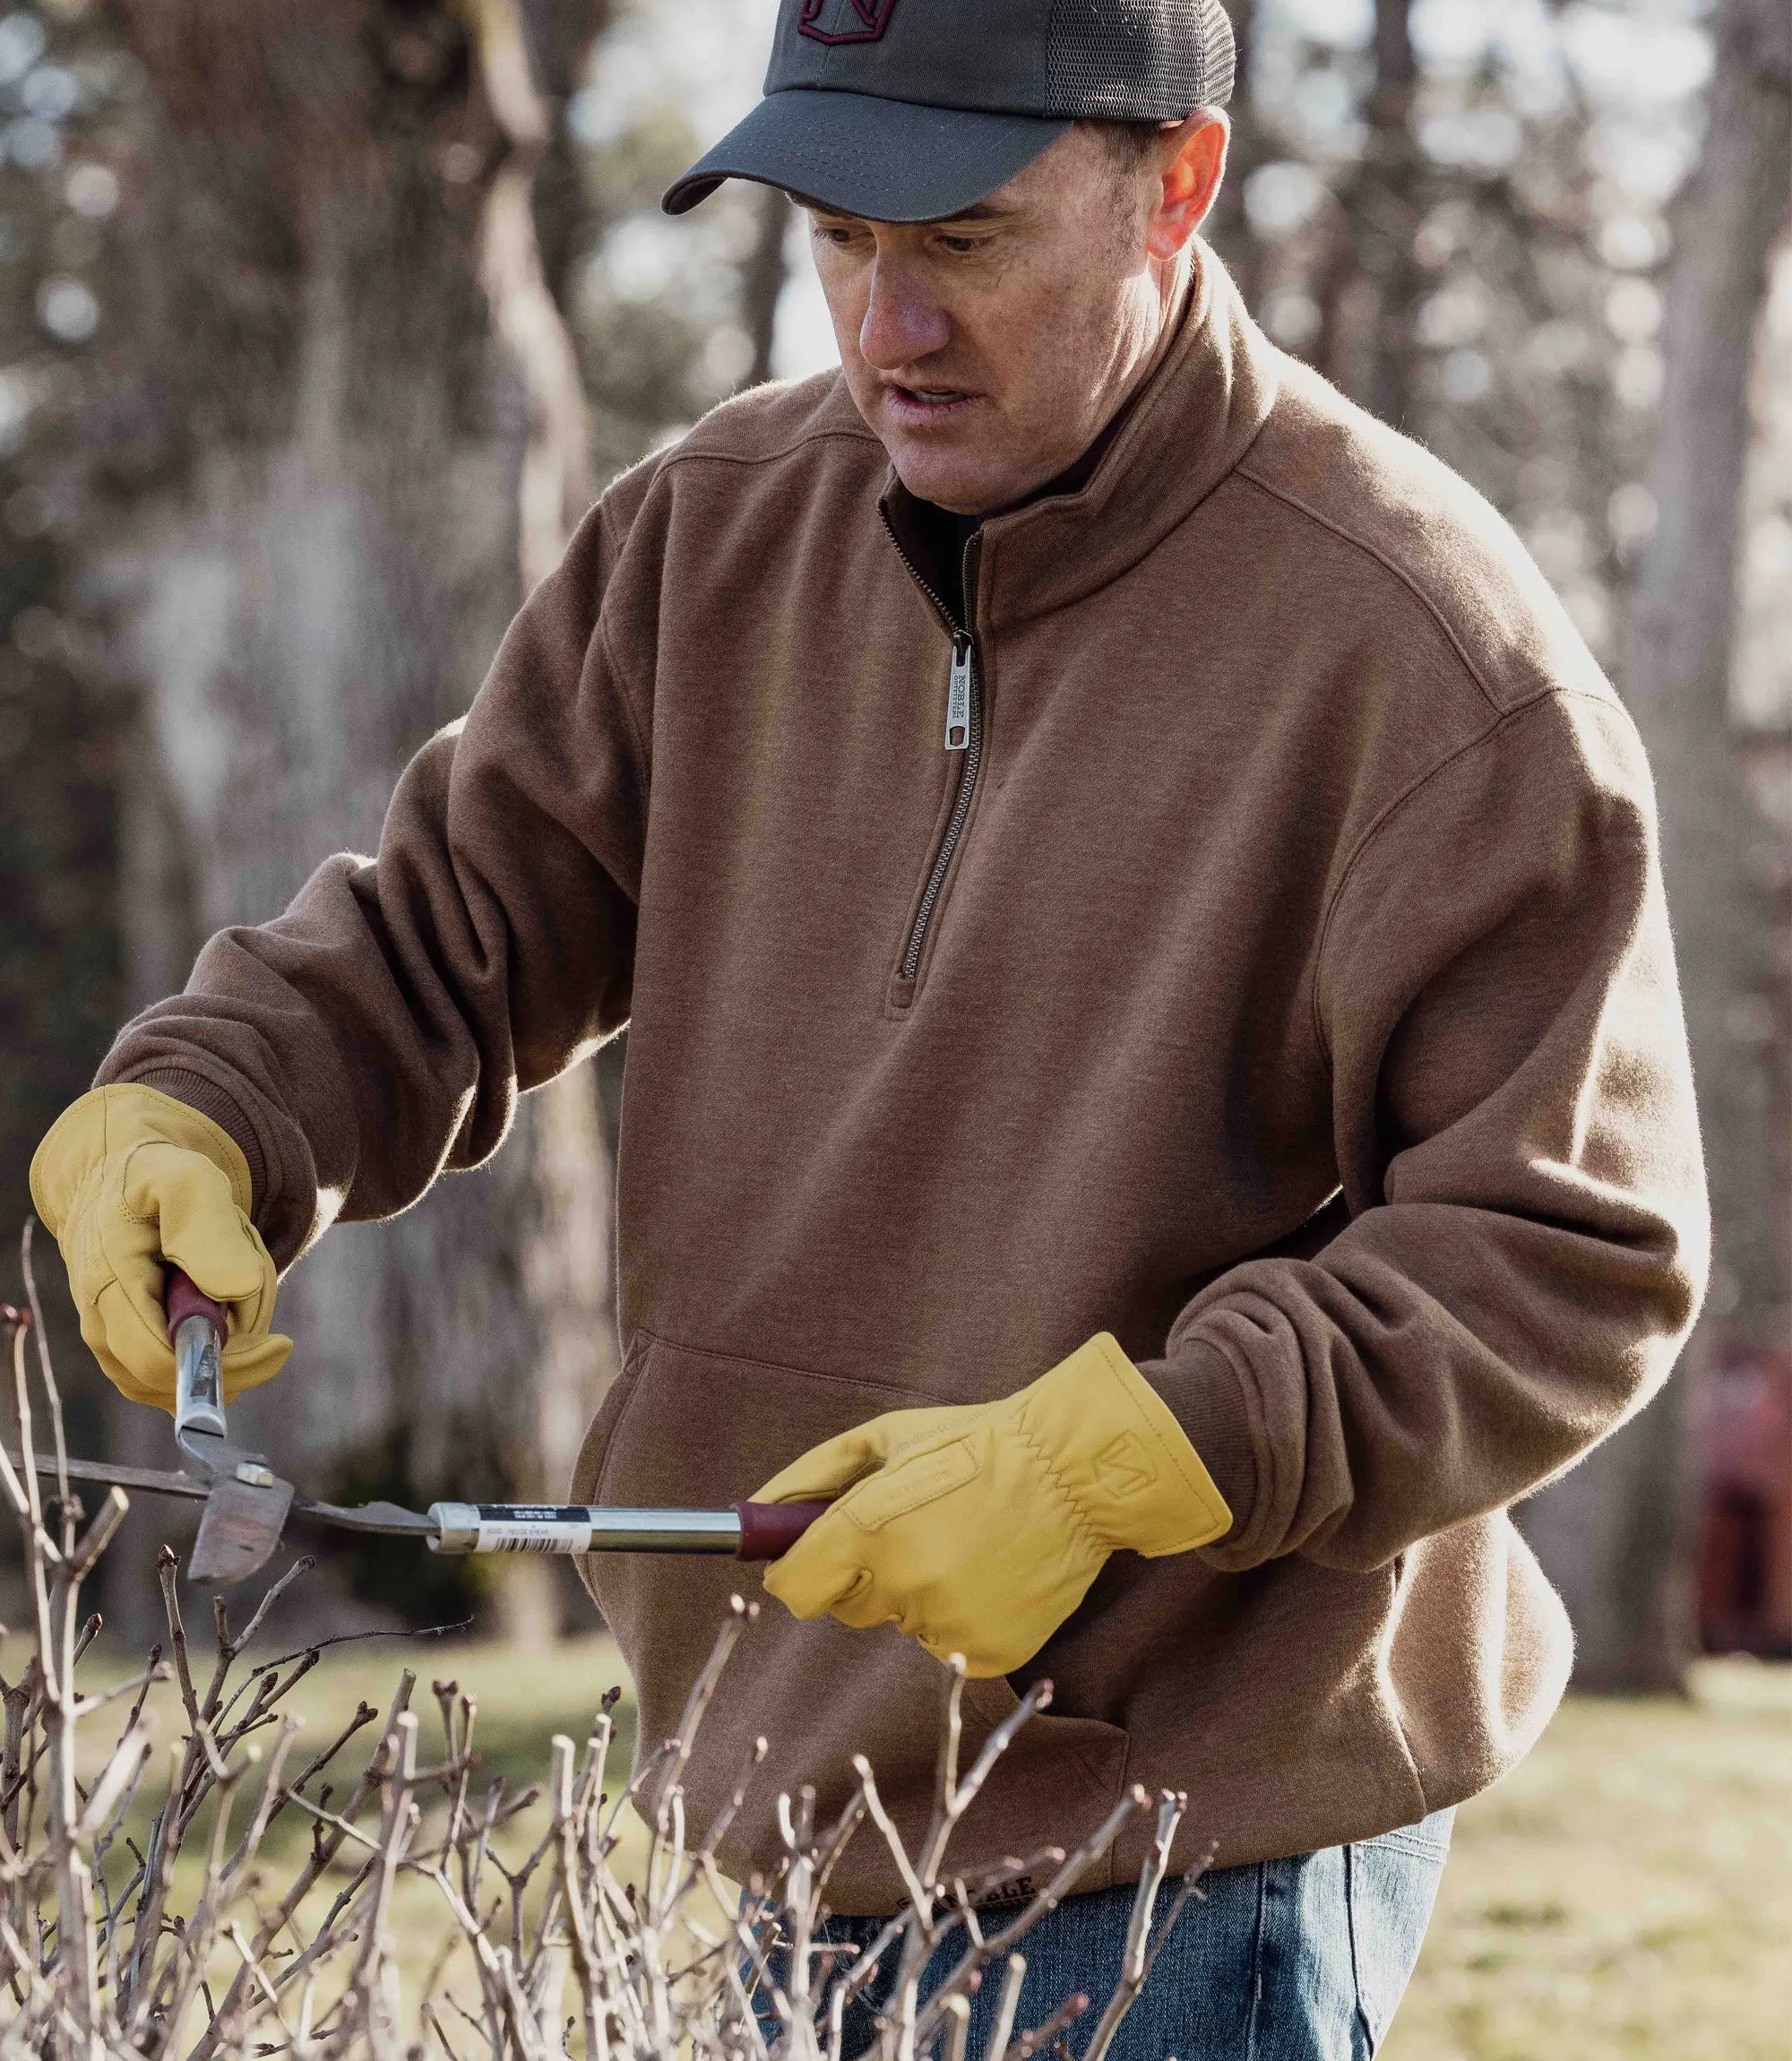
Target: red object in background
1745, 1544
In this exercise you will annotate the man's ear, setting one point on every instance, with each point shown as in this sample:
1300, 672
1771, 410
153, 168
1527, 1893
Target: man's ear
1191, 180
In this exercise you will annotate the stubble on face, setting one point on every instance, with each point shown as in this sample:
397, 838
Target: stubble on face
989, 351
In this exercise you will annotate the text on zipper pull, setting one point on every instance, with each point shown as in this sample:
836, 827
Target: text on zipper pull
958, 696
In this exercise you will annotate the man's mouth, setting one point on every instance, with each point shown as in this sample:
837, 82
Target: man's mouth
917, 407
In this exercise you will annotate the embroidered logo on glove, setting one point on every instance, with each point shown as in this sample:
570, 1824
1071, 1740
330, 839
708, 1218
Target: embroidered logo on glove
1124, 1465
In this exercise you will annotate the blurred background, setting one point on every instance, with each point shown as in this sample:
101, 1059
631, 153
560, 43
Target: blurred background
320, 327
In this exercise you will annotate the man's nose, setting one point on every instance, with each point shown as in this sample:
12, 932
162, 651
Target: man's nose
902, 322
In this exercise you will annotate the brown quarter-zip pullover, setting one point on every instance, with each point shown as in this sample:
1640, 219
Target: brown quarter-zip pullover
1279, 978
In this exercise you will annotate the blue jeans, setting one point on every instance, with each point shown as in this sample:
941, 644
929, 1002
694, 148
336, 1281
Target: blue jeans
1297, 1959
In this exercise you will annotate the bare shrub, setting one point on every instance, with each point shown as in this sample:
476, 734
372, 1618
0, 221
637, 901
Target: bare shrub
143, 1912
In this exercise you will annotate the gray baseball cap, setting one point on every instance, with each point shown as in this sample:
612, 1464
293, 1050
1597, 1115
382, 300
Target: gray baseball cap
911, 110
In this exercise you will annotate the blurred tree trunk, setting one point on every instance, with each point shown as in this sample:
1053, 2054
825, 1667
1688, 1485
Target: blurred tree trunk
566, 1270
1369, 294
63, 724
358, 438
1225, 229
1615, 1535
762, 275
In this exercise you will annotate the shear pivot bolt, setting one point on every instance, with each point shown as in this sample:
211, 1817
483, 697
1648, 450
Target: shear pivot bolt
251, 1474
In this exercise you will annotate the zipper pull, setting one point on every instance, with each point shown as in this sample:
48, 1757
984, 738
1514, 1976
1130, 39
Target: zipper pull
958, 694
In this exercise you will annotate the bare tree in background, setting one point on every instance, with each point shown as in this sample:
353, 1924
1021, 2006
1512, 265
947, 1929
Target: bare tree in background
356, 437
762, 278
1608, 1532
566, 1261
1371, 290
1225, 228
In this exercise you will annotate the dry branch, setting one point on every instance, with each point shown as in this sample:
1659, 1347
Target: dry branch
145, 1917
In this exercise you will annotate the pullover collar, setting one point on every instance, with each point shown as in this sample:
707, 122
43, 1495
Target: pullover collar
1175, 440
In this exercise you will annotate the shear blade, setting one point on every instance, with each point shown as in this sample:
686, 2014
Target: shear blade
239, 1531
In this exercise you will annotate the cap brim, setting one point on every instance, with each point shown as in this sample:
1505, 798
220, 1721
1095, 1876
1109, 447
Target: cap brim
884, 160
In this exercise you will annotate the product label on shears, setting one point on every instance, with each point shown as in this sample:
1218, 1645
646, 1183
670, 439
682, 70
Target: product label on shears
508, 1528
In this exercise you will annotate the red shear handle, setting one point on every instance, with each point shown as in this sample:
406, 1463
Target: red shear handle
181, 1300
769, 1530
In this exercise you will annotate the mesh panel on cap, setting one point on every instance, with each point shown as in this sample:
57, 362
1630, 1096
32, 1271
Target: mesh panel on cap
1138, 60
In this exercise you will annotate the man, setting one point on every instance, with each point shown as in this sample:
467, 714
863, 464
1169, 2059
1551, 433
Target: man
1156, 1075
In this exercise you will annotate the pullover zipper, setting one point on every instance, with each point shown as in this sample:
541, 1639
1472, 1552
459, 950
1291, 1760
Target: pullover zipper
964, 712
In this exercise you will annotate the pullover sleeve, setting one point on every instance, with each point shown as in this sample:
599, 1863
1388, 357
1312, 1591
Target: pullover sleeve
381, 1027
1518, 1151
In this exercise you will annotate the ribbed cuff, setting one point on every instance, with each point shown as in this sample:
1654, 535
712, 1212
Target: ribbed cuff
1207, 1400
224, 1111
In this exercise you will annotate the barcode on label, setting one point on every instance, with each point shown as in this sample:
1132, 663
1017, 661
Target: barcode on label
536, 1538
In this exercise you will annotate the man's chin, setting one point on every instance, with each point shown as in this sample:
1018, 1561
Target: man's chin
957, 481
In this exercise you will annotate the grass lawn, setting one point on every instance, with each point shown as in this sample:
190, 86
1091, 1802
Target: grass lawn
1627, 1892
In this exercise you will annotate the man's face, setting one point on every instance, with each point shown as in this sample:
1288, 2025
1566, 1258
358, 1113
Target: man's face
988, 351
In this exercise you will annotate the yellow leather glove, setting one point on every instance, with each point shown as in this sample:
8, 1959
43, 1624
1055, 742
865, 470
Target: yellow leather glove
129, 1179
978, 1528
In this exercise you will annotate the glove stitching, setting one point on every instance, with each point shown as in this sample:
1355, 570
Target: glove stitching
921, 1493
1049, 1468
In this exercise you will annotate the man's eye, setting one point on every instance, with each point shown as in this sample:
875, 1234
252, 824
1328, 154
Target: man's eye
959, 245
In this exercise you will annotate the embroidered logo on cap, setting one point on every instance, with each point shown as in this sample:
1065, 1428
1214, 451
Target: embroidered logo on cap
844, 21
